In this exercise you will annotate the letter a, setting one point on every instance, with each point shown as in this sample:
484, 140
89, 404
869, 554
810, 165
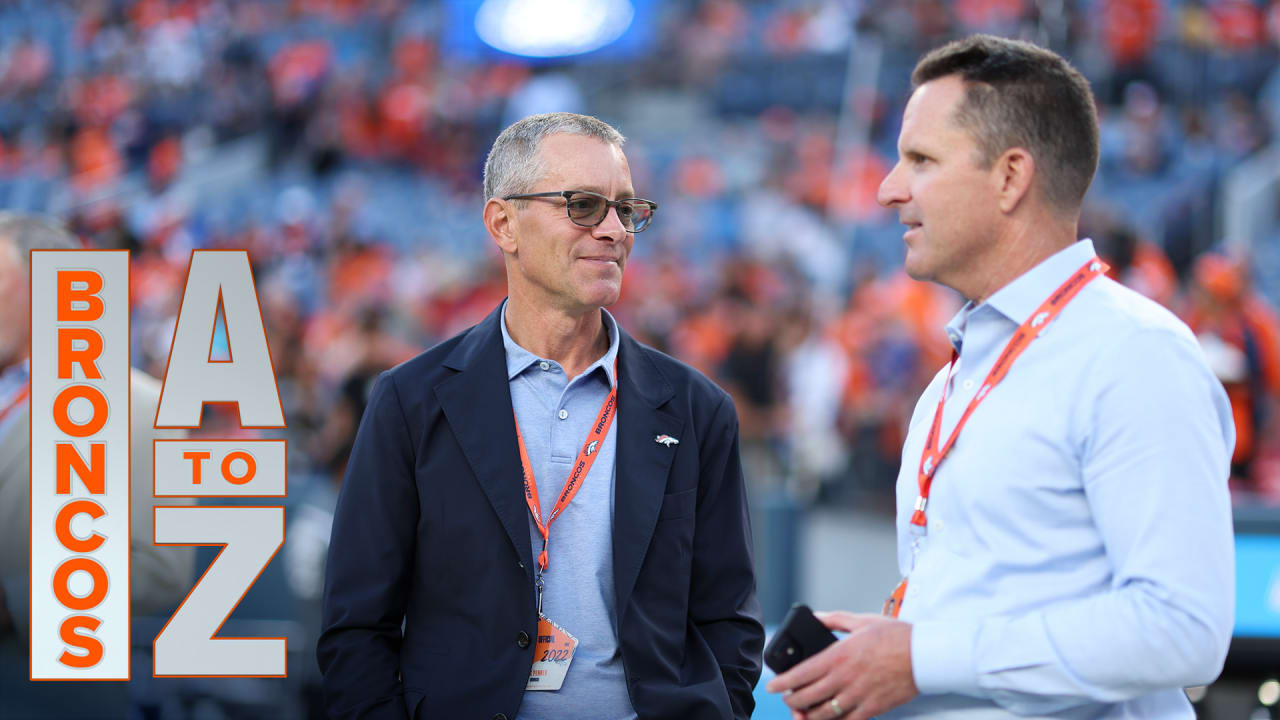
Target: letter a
191, 380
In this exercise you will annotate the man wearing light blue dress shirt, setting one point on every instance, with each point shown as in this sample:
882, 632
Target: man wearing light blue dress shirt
1074, 556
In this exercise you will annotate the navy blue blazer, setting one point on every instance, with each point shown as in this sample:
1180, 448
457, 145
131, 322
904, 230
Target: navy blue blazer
432, 531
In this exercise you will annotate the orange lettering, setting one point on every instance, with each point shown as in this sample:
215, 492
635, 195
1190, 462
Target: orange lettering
63, 402
62, 591
68, 355
196, 457
90, 644
62, 526
249, 473
68, 295
93, 475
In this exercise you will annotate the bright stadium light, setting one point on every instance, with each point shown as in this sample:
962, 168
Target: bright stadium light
1269, 692
552, 28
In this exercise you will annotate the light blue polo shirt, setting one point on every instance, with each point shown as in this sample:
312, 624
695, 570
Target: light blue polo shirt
555, 414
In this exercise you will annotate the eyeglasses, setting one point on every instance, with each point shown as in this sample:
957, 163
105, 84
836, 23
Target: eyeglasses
589, 209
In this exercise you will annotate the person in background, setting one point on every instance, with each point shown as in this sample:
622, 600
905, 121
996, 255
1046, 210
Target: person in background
1064, 526
1137, 264
1239, 334
159, 576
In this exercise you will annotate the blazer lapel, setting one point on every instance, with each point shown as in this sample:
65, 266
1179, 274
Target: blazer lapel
642, 464
477, 404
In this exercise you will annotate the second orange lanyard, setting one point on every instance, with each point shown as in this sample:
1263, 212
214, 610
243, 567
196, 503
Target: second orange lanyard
932, 456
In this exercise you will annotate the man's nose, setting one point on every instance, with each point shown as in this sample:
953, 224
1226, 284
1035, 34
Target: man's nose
893, 191
611, 227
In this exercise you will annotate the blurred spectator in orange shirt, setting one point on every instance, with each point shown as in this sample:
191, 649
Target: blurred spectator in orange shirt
1241, 339
1130, 29
1138, 264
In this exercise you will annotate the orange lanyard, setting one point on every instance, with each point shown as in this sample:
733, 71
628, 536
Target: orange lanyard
581, 467
931, 457
18, 399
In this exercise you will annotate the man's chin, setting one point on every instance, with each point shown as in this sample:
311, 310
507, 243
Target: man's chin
605, 300
916, 268
601, 294
584, 304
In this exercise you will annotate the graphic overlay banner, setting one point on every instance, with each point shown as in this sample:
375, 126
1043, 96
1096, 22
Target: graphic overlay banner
220, 279
219, 468
79, 465
187, 645
219, 285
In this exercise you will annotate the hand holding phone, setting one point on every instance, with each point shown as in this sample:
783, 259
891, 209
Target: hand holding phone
800, 636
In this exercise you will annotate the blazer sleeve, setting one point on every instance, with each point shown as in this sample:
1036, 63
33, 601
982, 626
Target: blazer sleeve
370, 559
722, 595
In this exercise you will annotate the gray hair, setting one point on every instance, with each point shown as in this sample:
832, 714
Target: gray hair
513, 165
35, 232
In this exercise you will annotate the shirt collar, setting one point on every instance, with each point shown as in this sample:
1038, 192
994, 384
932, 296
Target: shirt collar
1017, 300
519, 359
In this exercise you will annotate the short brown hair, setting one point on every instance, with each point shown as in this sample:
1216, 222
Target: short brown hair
1021, 95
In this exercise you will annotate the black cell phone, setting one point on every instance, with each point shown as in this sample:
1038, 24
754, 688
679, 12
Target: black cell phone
800, 636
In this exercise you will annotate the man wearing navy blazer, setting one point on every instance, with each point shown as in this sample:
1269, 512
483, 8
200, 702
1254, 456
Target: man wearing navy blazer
572, 542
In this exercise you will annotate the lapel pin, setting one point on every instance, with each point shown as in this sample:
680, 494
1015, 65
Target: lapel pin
666, 440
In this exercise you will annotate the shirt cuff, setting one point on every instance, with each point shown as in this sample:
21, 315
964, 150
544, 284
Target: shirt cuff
943, 657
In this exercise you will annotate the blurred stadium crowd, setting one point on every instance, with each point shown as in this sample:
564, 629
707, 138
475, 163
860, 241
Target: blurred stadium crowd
341, 142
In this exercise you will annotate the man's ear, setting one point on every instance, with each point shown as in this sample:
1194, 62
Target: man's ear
499, 220
1012, 174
